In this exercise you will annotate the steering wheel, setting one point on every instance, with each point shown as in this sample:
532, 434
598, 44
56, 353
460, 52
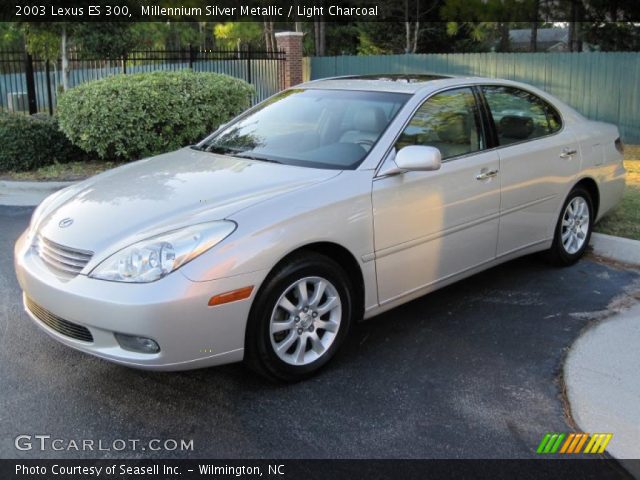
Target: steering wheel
365, 143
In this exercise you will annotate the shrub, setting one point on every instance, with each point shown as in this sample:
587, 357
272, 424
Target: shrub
125, 117
30, 142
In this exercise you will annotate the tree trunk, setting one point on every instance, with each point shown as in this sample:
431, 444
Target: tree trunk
504, 37
65, 60
319, 37
535, 12
323, 38
575, 43
267, 36
416, 30
407, 28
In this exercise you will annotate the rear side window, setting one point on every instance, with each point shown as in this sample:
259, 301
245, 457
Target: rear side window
519, 115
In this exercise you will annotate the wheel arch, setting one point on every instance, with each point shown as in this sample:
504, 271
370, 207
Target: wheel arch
590, 185
344, 258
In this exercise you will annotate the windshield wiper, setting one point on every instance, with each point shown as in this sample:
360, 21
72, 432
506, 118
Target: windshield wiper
231, 152
253, 157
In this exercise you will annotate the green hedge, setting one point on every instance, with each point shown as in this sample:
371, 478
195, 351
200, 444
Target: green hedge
126, 117
30, 142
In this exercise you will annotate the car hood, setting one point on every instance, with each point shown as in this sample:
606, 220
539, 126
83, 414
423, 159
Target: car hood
144, 198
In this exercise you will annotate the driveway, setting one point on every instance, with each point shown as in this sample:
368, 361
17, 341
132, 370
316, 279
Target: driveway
471, 371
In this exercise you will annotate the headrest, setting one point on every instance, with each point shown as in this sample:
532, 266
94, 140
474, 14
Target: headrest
454, 128
516, 127
369, 119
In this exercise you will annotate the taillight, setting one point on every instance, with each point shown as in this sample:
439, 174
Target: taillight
619, 145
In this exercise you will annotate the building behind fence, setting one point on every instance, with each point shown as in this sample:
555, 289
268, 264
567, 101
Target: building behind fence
29, 84
601, 86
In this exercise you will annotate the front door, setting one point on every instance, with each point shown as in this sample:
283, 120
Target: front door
430, 226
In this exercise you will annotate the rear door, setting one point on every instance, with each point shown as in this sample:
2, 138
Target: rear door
538, 157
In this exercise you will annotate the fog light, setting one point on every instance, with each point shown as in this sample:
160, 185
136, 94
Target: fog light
137, 344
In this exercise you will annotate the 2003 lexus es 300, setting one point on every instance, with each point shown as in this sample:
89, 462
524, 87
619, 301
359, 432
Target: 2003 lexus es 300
331, 201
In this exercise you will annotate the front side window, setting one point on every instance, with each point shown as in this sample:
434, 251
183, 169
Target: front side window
520, 115
311, 128
448, 121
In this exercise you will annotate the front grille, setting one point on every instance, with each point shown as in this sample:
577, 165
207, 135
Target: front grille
58, 324
63, 259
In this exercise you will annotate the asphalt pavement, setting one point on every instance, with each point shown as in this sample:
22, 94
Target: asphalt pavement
470, 371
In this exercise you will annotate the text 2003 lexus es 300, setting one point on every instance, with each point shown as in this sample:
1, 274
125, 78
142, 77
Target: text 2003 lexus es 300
331, 201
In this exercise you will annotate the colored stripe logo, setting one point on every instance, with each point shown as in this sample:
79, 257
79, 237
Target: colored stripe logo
554, 442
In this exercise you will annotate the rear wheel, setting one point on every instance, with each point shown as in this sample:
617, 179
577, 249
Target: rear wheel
299, 319
573, 229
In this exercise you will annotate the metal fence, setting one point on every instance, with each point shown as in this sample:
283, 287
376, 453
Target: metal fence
602, 86
29, 84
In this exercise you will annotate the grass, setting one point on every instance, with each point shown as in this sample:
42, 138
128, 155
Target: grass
61, 171
624, 220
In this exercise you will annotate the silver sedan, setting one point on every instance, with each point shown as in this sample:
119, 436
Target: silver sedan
330, 202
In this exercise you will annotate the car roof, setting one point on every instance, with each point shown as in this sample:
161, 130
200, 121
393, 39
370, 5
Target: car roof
425, 84
400, 83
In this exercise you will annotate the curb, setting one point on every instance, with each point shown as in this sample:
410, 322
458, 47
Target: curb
604, 395
623, 250
27, 193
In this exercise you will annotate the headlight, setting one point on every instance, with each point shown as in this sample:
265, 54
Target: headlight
155, 257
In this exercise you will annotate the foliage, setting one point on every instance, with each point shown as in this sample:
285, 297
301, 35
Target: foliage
624, 220
10, 36
105, 40
42, 39
30, 142
235, 34
367, 46
613, 36
126, 117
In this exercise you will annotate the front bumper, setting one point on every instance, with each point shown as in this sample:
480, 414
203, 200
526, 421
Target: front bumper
173, 311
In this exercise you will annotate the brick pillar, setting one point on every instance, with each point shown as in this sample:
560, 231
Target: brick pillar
291, 44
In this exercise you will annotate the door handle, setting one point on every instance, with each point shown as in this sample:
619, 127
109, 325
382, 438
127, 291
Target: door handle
484, 174
568, 152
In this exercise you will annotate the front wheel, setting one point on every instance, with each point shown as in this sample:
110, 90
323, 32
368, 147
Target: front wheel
573, 229
299, 319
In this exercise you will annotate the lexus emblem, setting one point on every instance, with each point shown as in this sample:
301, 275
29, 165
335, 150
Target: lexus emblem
65, 222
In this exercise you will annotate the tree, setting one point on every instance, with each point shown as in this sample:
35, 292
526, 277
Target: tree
235, 34
11, 36
535, 15
320, 35
49, 40
105, 40
269, 37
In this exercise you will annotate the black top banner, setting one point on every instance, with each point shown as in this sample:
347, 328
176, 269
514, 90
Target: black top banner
298, 11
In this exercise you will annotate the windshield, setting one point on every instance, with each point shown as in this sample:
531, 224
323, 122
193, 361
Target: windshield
311, 128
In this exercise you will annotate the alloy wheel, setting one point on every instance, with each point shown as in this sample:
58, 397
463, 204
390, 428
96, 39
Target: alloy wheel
305, 321
575, 225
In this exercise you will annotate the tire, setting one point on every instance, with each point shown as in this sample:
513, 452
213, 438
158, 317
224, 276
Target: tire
304, 340
573, 229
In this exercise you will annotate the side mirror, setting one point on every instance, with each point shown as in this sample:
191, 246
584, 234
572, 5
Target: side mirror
418, 157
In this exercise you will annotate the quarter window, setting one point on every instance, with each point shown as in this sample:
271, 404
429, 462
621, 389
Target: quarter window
520, 115
448, 121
